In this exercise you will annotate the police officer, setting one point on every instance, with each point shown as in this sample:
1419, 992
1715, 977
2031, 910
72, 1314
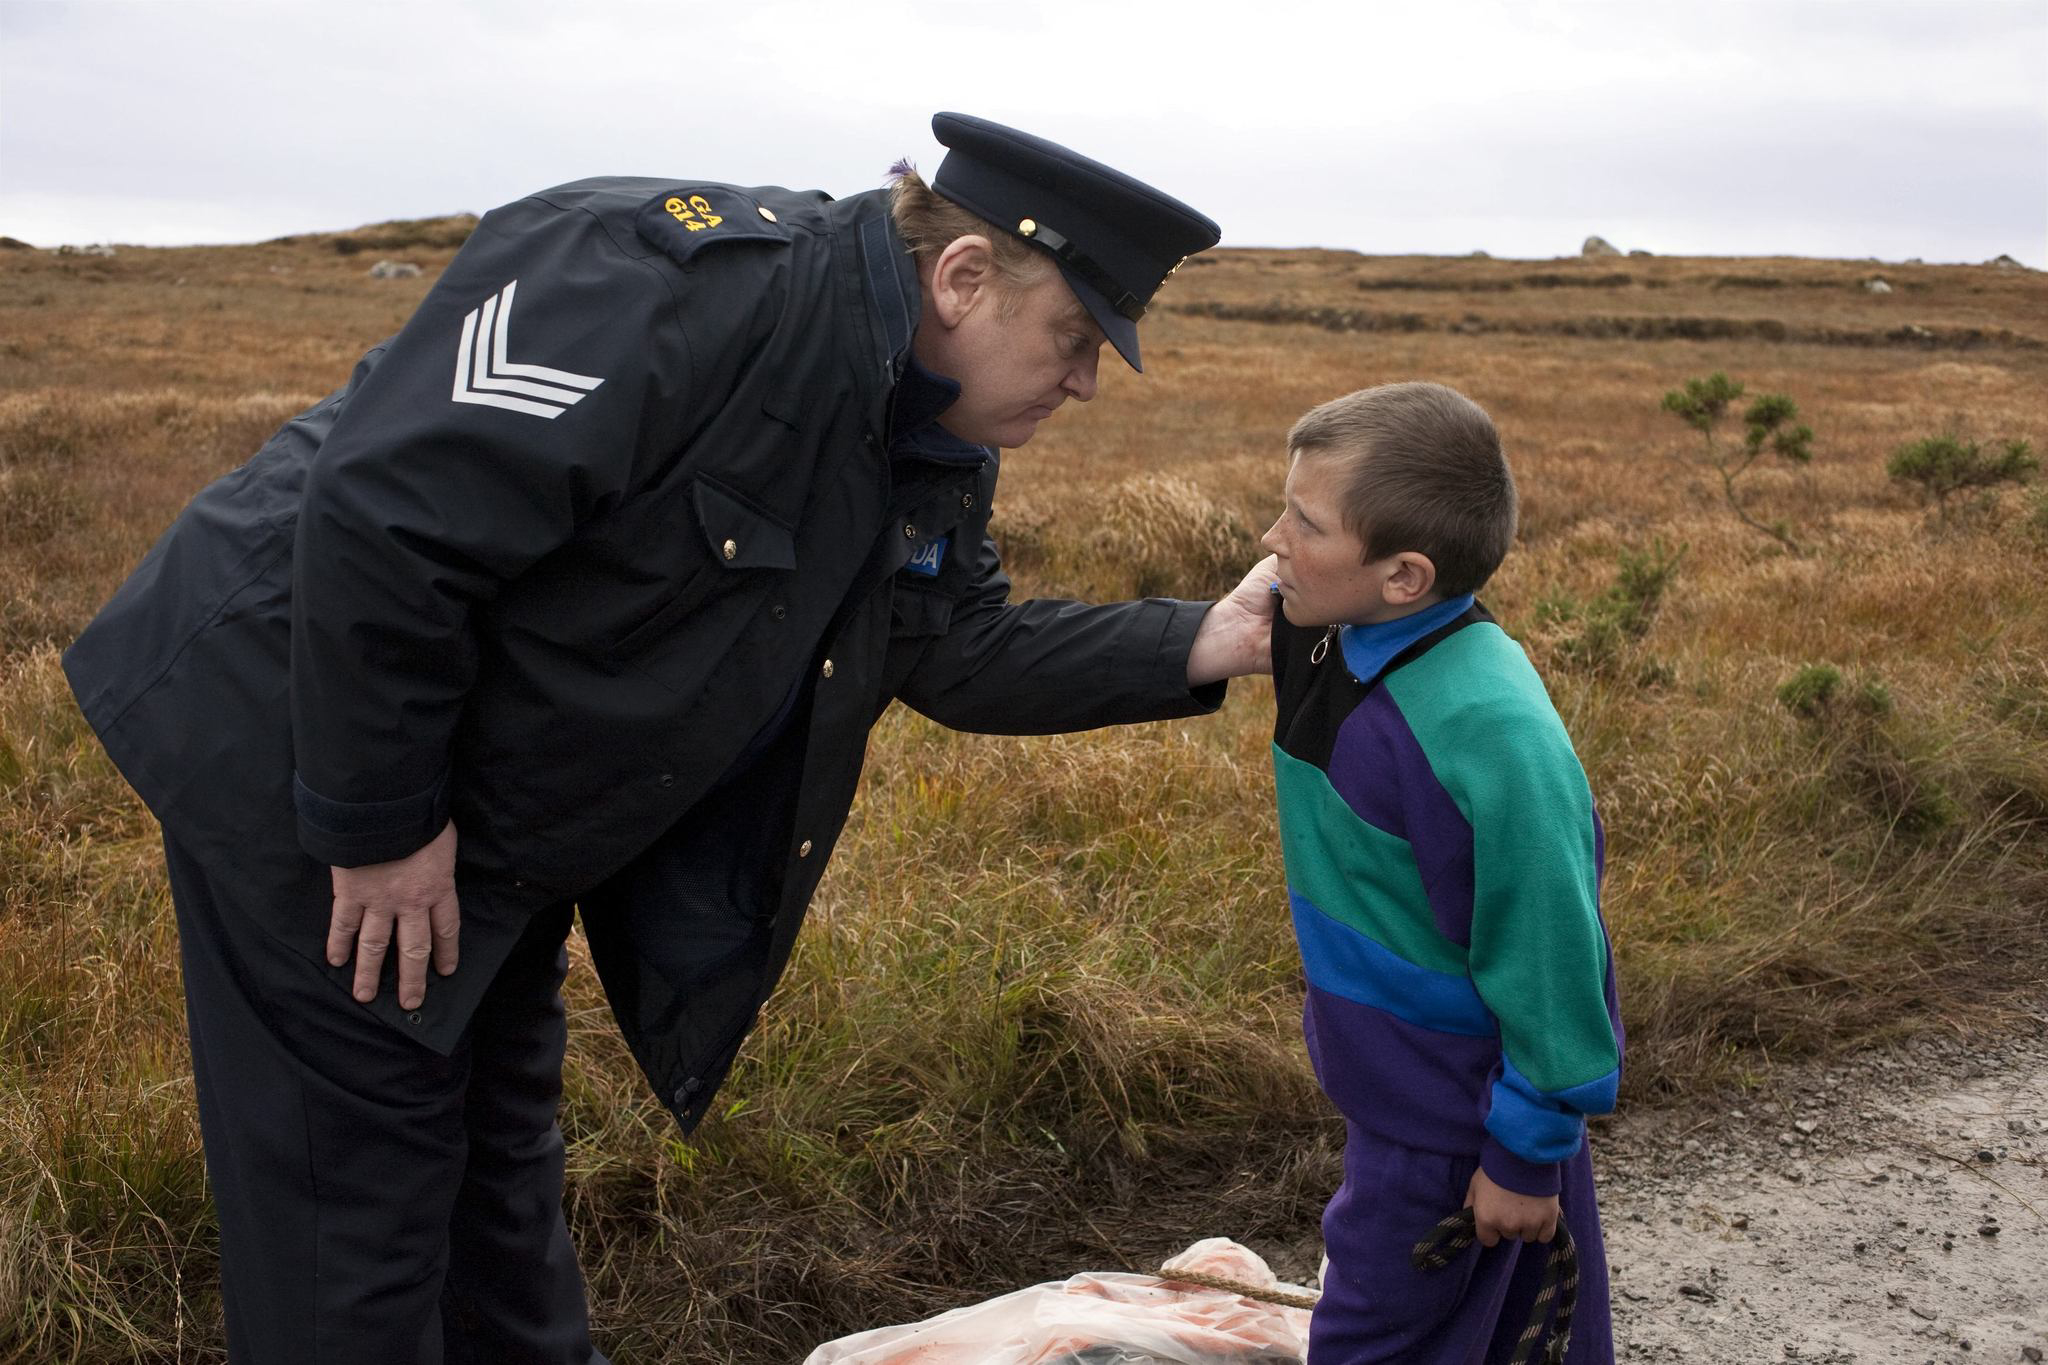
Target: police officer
586, 590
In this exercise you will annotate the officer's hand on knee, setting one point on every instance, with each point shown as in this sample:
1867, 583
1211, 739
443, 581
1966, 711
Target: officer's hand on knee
1498, 1213
411, 901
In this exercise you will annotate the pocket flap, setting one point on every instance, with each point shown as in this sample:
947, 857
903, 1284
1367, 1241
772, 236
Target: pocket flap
741, 535
916, 611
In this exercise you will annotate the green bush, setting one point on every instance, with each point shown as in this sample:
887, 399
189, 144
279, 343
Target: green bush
1599, 634
1947, 464
1808, 692
1767, 426
1869, 762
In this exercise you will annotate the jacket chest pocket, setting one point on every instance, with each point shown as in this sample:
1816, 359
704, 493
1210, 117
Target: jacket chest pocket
919, 611
743, 547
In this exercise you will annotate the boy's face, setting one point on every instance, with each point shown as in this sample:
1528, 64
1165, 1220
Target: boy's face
1324, 579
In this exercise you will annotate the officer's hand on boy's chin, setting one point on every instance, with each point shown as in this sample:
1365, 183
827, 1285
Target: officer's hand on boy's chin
412, 900
1498, 1213
1236, 637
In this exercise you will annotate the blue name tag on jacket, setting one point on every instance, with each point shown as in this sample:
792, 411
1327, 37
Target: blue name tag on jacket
926, 558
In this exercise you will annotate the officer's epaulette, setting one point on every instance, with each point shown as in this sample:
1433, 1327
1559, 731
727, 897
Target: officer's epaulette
684, 221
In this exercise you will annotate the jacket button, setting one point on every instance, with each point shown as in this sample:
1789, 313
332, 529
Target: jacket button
667, 779
778, 611
731, 548
828, 668
967, 500
803, 850
909, 531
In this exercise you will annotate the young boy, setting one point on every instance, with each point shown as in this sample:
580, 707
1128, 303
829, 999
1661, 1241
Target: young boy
1443, 866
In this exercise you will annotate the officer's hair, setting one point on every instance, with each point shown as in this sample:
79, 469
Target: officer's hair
1422, 471
929, 222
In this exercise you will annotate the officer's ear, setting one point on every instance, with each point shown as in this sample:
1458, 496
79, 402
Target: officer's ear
963, 278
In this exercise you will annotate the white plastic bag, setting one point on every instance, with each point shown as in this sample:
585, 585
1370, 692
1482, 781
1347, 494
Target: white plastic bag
1105, 1318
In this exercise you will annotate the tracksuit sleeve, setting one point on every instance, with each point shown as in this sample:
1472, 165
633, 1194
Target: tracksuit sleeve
1539, 954
525, 396
1048, 666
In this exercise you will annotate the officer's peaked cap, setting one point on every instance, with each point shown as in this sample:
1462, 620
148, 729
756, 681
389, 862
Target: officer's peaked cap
1116, 239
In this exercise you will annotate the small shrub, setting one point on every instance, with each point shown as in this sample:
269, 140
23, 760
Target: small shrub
1599, 634
1947, 464
1768, 426
1808, 692
1868, 763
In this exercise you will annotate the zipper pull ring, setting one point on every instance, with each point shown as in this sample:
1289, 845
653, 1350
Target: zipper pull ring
1316, 655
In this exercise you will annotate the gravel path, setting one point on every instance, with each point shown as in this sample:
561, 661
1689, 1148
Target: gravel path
1894, 1208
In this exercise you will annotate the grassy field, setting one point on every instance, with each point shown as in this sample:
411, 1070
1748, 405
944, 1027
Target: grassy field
1045, 1014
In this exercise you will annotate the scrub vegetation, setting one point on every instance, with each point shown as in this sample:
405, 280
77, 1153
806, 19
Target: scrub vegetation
1045, 1015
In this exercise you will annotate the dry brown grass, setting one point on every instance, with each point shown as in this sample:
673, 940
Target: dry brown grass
1044, 1015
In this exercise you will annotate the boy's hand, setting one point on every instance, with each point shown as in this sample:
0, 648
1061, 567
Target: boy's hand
1498, 1213
1236, 637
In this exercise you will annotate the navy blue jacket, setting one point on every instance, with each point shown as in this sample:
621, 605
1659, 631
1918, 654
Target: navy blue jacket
604, 556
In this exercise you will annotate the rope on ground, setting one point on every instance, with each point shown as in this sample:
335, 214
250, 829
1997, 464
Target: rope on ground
1560, 1281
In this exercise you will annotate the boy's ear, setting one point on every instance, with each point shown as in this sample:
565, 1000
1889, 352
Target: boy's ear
1413, 579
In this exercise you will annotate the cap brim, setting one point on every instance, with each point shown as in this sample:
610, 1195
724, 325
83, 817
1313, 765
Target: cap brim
1121, 331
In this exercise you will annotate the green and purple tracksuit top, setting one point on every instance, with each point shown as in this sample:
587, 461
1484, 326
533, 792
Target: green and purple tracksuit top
1443, 867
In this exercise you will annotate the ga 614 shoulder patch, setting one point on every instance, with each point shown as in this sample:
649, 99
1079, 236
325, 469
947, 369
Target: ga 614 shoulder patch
684, 221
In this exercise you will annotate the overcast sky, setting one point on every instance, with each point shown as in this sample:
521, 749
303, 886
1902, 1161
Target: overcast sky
1851, 128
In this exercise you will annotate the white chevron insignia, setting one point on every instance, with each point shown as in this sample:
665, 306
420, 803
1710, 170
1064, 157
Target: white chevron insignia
484, 374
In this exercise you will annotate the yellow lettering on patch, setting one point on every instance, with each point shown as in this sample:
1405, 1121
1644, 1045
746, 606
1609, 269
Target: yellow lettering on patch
694, 214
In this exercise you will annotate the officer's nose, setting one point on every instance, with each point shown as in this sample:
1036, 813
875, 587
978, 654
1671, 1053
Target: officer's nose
1271, 540
1080, 380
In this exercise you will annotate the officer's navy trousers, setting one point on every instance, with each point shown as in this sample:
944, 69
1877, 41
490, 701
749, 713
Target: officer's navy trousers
378, 1202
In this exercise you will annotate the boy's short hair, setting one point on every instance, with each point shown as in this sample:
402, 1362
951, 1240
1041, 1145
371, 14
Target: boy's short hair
1424, 472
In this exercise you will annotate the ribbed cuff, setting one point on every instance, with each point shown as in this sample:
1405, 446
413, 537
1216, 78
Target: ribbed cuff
358, 833
1535, 1178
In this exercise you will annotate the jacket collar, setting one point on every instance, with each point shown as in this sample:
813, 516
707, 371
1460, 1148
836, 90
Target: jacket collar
1369, 649
892, 287
916, 396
